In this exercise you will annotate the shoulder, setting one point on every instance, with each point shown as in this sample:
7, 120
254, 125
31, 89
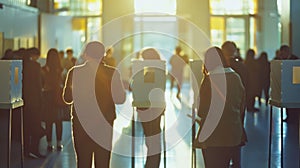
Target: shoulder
109, 70
293, 57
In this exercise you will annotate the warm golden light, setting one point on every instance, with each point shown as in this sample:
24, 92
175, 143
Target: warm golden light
155, 6
233, 6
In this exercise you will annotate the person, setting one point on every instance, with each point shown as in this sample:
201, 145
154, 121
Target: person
8, 54
32, 96
109, 59
264, 76
229, 50
52, 87
61, 55
108, 89
150, 117
226, 139
238, 56
286, 54
69, 61
178, 63
253, 86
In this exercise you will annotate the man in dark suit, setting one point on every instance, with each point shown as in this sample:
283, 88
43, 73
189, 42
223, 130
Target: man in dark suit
86, 84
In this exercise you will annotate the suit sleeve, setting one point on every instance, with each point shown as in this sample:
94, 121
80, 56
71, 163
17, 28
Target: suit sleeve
118, 90
67, 91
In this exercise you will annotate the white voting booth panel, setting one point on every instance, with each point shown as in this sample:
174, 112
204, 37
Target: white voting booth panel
196, 77
11, 81
148, 83
285, 83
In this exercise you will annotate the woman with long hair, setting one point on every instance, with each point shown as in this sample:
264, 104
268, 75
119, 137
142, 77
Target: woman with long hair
52, 86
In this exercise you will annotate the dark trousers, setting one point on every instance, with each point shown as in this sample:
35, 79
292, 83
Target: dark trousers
218, 157
151, 125
153, 142
292, 115
32, 128
236, 157
250, 101
52, 115
85, 147
58, 127
265, 90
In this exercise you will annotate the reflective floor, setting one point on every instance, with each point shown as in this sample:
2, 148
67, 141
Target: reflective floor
178, 154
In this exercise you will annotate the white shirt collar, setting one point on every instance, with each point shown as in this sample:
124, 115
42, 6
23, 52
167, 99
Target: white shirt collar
221, 70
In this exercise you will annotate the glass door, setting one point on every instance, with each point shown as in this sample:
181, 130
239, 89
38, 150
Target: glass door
232, 28
236, 31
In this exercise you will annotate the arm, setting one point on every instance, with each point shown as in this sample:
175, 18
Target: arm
118, 91
243, 107
205, 98
67, 90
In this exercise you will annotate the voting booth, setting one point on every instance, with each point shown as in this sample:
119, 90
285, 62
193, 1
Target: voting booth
148, 84
10, 98
11, 81
285, 83
285, 92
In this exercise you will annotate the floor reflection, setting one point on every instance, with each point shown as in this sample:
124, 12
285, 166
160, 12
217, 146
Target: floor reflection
254, 154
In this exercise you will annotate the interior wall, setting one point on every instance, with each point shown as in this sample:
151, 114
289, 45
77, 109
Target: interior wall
295, 23
268, 34
196, 13
56, 32
18, 22
114, 17
285, 21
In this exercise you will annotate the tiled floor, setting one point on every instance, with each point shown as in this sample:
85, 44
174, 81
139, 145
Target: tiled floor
254, 154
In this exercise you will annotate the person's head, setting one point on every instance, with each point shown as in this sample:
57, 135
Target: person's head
229, 49
8, 54
285, 52
61, 54
263, 57
109, 51
34, 53
52, 60
69, 53
250, 54
178, 50
214, 58
94, 50
150, 54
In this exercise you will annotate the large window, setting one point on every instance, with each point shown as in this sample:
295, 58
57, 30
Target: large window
157, 6
233, 20
236, 7
150, 14
79, 7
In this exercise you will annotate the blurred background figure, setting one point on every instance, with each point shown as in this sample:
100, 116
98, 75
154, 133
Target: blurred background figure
108, 58
178, 63
8, 55
264, 77
52, 85
69, 61
32, 95
253, 86
61, 55
286, 54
